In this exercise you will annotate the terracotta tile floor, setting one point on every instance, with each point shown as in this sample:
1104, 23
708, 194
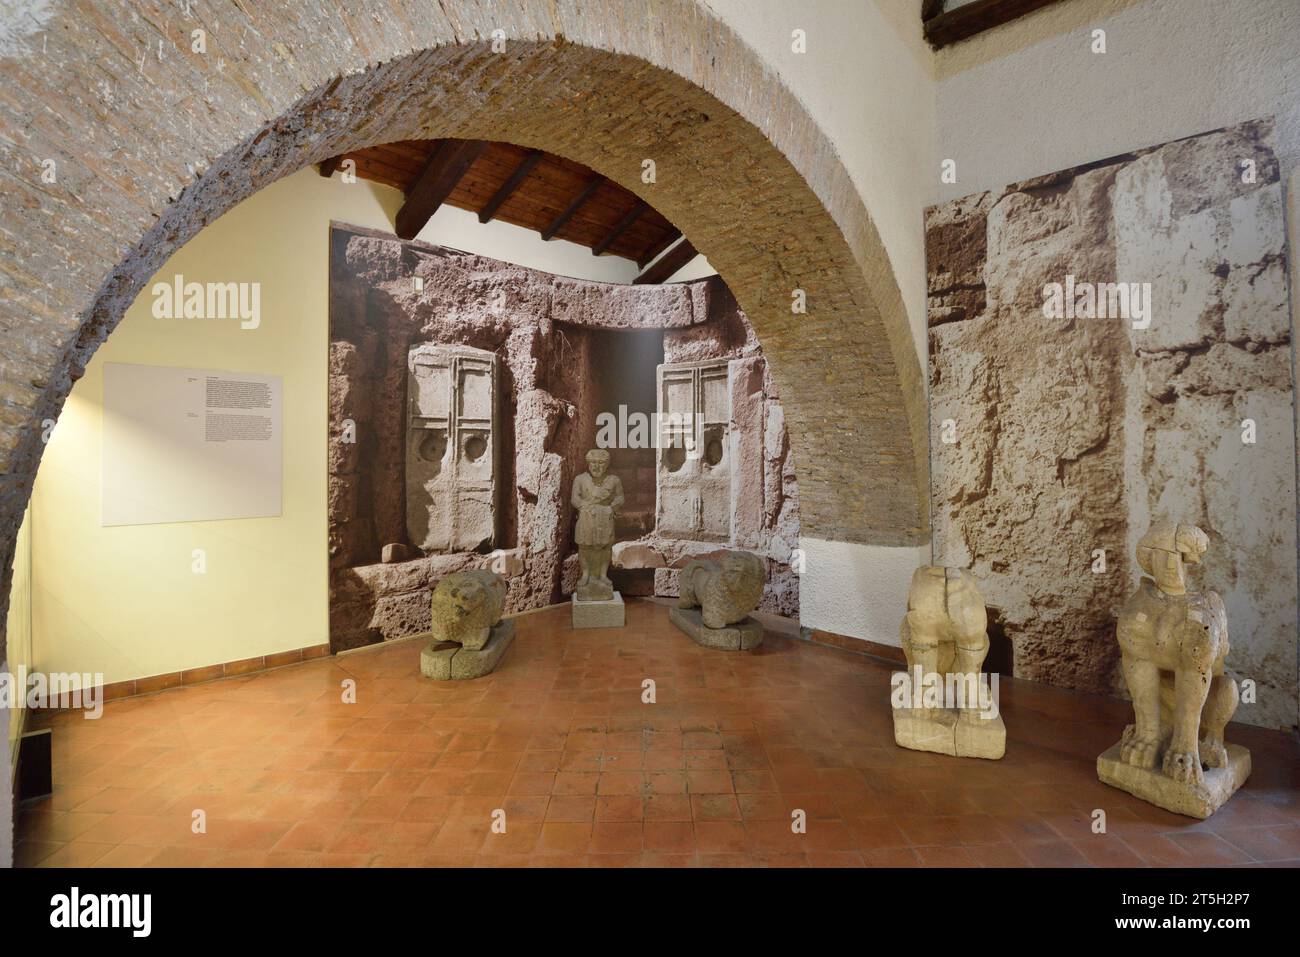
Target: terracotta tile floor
559, 739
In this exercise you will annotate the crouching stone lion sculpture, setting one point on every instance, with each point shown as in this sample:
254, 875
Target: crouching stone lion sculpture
468, 634
1173, 644
724, 591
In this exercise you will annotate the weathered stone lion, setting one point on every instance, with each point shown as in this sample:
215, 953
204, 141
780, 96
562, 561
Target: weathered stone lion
1173, 643
466, 605
725, 592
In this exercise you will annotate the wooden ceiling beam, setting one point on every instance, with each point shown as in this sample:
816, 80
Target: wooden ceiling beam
558, 222
328, 167
510, 185
450, 160
668, 263
960, 23
655, 249
620, 228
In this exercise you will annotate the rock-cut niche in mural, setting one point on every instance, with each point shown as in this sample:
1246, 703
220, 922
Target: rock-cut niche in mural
1110, 347
465, 393
451, 460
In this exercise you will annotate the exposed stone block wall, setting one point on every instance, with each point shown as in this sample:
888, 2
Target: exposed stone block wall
764, 500
1072, 435
557, 339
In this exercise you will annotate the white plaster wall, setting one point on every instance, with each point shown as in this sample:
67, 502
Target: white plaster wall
856, 590
867, 78
1031, 97
460, 229
697, 268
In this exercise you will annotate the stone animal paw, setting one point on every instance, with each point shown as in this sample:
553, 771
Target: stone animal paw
1139, 752
1214, 754
1183, 766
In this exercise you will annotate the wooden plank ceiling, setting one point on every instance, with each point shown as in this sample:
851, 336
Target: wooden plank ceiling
556, 197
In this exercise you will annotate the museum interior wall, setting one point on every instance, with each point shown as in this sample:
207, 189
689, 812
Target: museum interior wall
18, 626
1096, 163
488, 382
90, 610
93, 611
1172, 69
176, 153
18, 630
1061, 438
876, 49
125, 601
101, 210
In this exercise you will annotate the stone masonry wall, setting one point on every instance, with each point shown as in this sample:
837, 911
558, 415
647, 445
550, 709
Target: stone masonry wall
765, 501
1073, 435
553, 335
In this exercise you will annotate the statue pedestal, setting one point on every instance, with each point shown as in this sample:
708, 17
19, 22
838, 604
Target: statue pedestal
949, 731
599, 614
741, 636
447, 661
1152, 786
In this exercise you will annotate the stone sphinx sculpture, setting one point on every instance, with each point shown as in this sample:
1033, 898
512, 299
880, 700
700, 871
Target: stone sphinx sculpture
724, 591
1173, 643
943, 703
468, 635
597, 496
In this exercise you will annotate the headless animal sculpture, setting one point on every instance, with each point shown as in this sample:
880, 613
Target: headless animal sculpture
945, 630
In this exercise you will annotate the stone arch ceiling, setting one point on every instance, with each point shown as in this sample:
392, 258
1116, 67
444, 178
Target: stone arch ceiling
150, 150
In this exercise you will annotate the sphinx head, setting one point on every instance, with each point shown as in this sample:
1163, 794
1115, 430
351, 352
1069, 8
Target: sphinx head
1166, 550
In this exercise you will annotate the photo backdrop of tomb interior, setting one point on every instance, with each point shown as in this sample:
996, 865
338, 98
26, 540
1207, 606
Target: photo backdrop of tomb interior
464, 393
1068, 436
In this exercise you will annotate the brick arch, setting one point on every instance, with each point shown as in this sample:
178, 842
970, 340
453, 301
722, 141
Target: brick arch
149, 152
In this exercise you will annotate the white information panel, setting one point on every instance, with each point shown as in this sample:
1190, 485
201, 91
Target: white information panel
190, 445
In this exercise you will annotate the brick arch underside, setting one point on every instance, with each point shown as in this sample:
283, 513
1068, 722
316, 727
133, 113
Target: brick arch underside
135, 184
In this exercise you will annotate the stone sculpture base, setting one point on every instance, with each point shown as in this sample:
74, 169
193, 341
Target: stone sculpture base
599, 614
742, 636
1192, 800
444, 661
949, 732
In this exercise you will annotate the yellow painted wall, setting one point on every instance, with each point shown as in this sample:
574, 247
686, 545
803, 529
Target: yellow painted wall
123, 601
18, 629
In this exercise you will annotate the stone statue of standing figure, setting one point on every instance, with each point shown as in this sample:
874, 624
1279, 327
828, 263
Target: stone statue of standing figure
597, 497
